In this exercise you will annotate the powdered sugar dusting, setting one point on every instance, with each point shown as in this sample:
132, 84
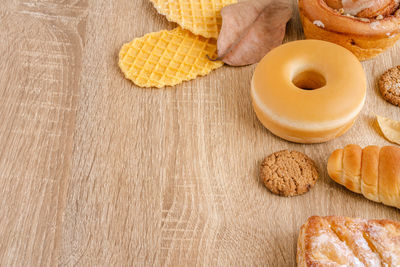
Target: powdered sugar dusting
365, 251
389, 249
331, 244
342, 241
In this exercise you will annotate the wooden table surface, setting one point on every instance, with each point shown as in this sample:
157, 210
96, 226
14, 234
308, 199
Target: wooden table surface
95, 171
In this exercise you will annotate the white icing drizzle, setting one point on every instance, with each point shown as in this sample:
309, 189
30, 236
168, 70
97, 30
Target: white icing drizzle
353, 7
374, 25
364, 19
319, 23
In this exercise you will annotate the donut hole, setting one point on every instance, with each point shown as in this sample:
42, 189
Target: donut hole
309, 80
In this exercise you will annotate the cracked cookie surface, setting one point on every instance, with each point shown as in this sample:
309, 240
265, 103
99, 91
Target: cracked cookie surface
288, 173
389, 85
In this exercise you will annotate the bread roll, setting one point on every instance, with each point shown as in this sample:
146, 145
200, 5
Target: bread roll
373, 171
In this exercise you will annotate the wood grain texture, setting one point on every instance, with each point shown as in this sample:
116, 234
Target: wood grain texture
97, 172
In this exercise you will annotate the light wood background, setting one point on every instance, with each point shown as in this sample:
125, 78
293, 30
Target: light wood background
95, 171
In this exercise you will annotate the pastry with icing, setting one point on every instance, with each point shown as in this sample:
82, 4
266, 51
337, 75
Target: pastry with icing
344, 241
365, 27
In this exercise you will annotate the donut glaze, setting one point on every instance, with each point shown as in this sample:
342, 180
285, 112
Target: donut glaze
308, 115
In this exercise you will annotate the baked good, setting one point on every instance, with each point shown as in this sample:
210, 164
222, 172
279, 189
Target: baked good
365, 27
389, 85
389, 128
167, 58
364, 8
302, 91
343, 241
199, 17
288, 173
373, 171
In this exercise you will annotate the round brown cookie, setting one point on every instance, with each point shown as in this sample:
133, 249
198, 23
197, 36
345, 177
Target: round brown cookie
389, 85
288, 173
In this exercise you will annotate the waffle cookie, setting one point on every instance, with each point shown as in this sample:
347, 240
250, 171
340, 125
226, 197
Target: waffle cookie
200, 17
167, 58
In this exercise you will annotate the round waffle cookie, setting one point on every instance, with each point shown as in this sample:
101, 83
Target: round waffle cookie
200, 17
167, 58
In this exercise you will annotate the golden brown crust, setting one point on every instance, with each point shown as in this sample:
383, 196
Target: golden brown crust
335, 165
335, 22
389, 176
369, 172
288, 173
352, 168
374, 172
389, 85
300, 256
383, 8
366, 38
363, 7
362, 47
335, 241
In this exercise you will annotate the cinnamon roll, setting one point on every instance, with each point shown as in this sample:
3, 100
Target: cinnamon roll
365, 27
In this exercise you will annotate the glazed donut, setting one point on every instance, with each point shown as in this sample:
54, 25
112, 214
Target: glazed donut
308, 91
